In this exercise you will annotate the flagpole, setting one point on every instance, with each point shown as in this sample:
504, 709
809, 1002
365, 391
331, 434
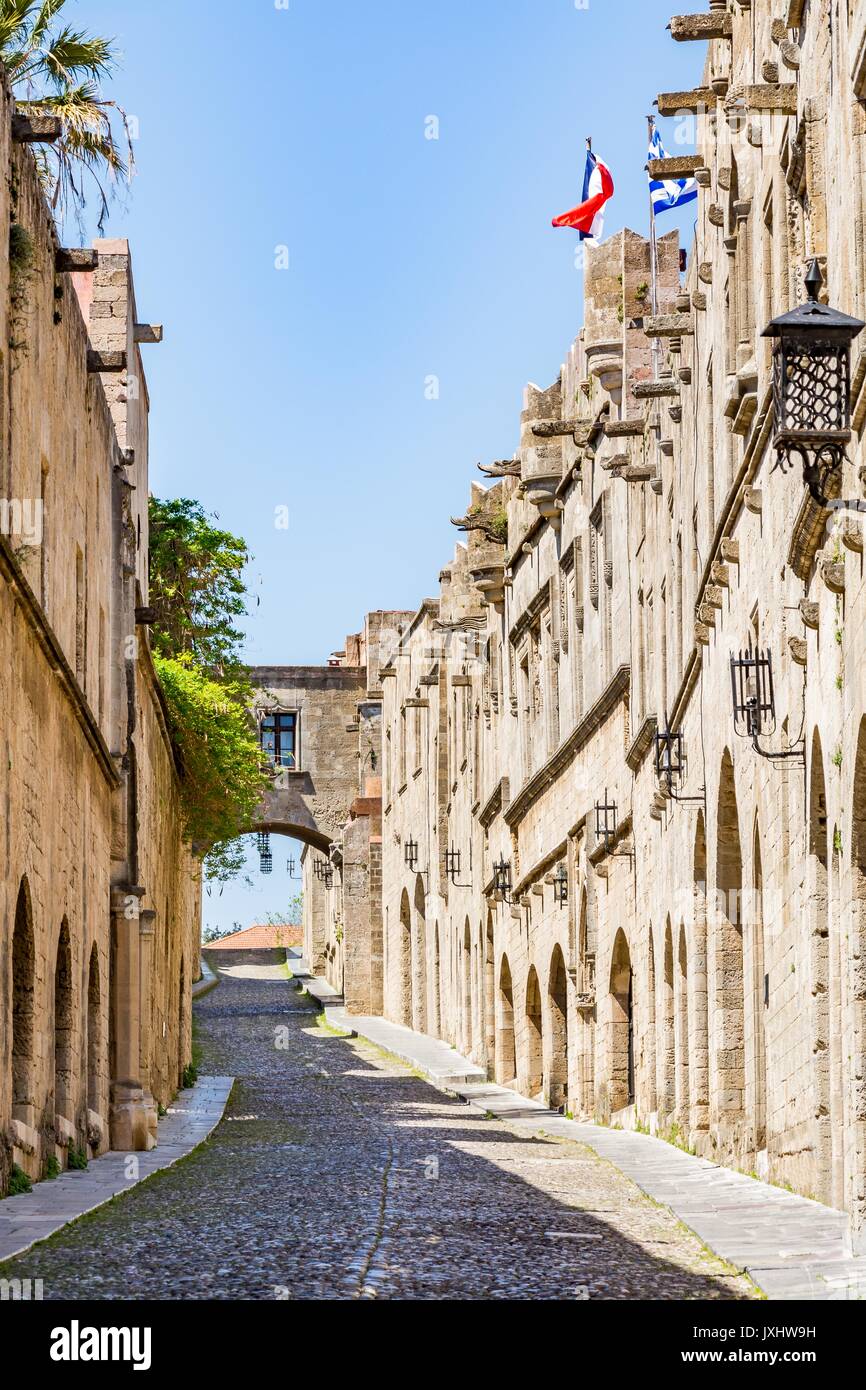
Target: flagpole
654, 257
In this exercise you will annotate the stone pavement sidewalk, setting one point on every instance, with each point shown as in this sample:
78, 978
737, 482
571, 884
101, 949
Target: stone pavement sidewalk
792, 1247
33, 1216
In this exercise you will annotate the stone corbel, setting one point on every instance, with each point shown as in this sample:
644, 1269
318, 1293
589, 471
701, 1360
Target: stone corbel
832, 573
790, 53
850, 533
798, 649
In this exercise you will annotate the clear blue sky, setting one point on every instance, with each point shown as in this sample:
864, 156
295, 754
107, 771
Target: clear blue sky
304, 127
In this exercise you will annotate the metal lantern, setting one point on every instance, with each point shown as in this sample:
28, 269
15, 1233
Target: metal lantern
410, 850
753, 693
263, 845
452, 863
669, 753
502, 876
560, 886
812, 387
605, 821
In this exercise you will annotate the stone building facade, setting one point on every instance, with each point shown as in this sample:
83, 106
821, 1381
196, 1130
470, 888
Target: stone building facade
99, 896
683, 953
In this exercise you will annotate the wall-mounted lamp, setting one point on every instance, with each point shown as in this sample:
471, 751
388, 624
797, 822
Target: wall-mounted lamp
812, 387
560, 886
754, 699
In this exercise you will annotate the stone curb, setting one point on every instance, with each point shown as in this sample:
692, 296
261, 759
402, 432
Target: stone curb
32, 1217
209, 980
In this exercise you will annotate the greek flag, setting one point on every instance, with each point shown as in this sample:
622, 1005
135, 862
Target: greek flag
668, 193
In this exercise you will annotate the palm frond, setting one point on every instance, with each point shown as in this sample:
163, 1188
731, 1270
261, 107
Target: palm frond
14, 16
42, 21
55, 71
77, 54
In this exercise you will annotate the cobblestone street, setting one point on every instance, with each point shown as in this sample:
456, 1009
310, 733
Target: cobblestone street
338, 1173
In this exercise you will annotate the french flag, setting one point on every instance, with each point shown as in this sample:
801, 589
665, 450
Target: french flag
588, 217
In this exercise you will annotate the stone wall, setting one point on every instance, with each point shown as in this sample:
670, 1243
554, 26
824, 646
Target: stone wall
98, 894
685, 955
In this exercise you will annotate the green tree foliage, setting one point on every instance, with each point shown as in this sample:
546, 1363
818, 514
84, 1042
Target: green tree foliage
289, 918
55, 70
222, 776
197, 588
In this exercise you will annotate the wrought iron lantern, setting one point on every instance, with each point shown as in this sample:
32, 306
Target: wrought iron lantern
263, 845
452, 863
560, 886
669, 753
812, 387
502, 876
290, 868
753, 694
410, 850
605, 821
323, 871
755, 701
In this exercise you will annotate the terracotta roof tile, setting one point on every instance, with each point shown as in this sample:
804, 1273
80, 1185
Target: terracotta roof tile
260, 937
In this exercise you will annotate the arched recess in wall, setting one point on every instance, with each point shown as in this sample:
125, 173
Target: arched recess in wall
667, 1040
556, 1059
533, 1050
759, 996
699, 1046
436, 967
63, 1026
181, 1038
506, 1067
620, 1027
466, 990
856, 1198
819, 964
489, 994
838, 1117
94, 1035
419, 959
23, 1003
405, 980
586, 1015
681, 1008
729, 1052
649, 1060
